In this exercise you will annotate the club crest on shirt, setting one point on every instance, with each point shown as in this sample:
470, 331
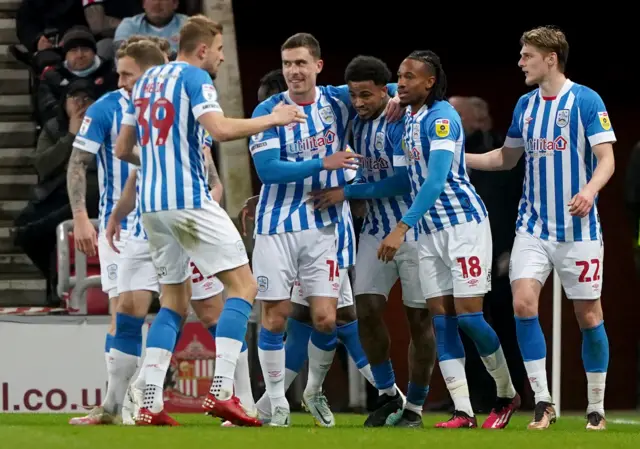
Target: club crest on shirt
326, 115
415, 131
86, 122
257, 137
209, 92
604, 120
562, 118
442, 127
379, 141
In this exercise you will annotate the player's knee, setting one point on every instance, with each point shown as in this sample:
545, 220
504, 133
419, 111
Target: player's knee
248, 289
525, 305
588, 313
274, 315
324, 320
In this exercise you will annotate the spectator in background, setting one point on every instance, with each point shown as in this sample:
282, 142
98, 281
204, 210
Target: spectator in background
80, 61
500, 191
159, 19
104, 17
40, 25
49, 205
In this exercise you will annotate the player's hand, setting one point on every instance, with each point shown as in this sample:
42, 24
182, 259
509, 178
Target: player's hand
341, 159
581, 203
283, 114
113, 232
248, 212
85, 236
324, 198
393, 111
390, 245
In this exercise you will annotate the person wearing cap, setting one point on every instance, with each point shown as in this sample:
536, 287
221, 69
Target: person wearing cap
80, 62
49, 204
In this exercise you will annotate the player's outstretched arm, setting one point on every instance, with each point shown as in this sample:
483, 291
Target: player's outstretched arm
504, 158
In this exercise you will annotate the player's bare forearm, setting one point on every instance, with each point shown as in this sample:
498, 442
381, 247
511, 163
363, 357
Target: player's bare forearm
224, 128
125, 144
496, 160
127, 201
605, 168
77, 180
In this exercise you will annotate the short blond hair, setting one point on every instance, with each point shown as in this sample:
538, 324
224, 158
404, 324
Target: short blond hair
144, 52
548, 39
197, 30
162, 43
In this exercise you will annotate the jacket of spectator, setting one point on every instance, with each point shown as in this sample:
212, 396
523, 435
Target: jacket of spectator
34, 17
56, 80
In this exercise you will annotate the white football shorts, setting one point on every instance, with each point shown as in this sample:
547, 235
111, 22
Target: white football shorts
309, 256
136, 271
456, 261
207, 236
579, 264
110, 262
204, 287
345, 298
376, 277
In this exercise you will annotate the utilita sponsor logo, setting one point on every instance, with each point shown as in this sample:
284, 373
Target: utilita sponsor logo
55, 399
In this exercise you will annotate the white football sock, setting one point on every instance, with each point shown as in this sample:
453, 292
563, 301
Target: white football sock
496, 365
155, 366
596, 383
272, 363
264, 403
366, 372
227, 352
243, 381
320, 362
537, 374
122, 367
456, 380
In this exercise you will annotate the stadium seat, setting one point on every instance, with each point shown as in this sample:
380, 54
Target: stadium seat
97, 300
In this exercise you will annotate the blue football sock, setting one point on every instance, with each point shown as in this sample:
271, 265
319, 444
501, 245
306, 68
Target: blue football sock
108, 343
212, 331
383, 375
483, 335
326, 342
348, 335
296, 344
595, 349
416, 396
448, 338
164, 330
530, 339
128, 337
233, 319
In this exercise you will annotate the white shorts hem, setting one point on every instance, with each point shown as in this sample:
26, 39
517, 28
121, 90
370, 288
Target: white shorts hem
438, 294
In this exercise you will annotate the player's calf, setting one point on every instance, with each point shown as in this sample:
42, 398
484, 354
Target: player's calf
422, 356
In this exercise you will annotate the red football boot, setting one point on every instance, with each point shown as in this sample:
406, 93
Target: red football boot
459, 420
502, 412
147, 418
229, 410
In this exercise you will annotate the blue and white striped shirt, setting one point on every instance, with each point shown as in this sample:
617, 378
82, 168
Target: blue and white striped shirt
346, 238
97, 135
165, 106
558, 135
439, 128
378, 140
287, 207
137, 230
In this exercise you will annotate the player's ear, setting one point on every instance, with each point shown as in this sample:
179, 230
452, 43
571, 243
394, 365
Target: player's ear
319, 65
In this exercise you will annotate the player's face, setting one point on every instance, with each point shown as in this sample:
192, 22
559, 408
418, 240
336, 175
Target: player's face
128, 73
212, 56
414, 82
367, 98
535, 64
300, 69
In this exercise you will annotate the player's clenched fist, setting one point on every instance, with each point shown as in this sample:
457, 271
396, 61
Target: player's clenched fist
248, 212
287, 113
327, 197
85, 236
341, 159
581, 204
